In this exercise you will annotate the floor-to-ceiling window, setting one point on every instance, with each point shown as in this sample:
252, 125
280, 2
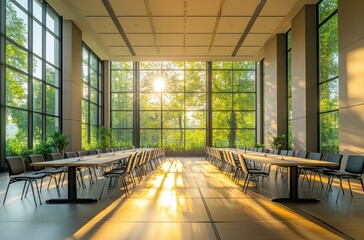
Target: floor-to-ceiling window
172, 104
289, 90
92, 97
122, 95
328, 76
233, 104
30, 74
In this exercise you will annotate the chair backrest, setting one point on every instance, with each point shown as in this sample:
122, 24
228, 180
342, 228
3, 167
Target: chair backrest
260, 150
99, 151
355, 164
290, 153
315, 156
283, 153
34, 158
55, 156
275, 151
109, 150
70, 154
15, 164
81, 153
243, 163
92, 152
301, 154
332, 157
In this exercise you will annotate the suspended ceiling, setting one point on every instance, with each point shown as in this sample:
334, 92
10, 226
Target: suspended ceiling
179, 29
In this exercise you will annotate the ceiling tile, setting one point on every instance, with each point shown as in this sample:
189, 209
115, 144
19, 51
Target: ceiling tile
222, 51
277, 7
91, 7
166, 7
102, 24
198, 39
248, 51
197, 50
226, 39
239, 7
171, 51
120, 51
141, 39
128, 8
232, 24
135, 24
168, 24
203, 8
169, 39
145, 51
200, 24
256, 39
112, 39
266, 24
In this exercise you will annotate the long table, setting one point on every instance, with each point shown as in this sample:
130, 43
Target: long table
73, 163
292, 164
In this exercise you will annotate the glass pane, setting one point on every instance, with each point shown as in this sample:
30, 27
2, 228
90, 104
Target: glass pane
37, 39
146, 80
195, 119
85, 112
329, 95
222, 101
328, 46
85, 134
290, 136
150, 138
195, 139
289, 74
37, 95
174, 81
150, 119
93, 77
220, 138
52, 21
173, 101
173, 65
244, 101
221, 81
150, 65
195, 65
122, 101
244, 65
122, 119
52, 75
329, 132
122, 81
122, 138
23, 3
173, 119
245, 138
93, 95
16, 131
290, 108
195, 101
16, 89
222, 119
37, 128
37, 9
85, 91
93, 114
150, 101
173, 140
37, 68
16, 24
195, 81
122, 65
52, 126
244, 81
326, 7
221, 65
52, 97
52, 49
16, 57
245, 119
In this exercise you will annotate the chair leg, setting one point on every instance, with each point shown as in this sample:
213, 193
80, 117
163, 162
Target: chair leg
351, 192
338, 192
6, 193
31, 184
362, 185
36, 186
103, 186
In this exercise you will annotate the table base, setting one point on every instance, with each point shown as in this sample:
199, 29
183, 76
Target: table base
77, 200
296, 200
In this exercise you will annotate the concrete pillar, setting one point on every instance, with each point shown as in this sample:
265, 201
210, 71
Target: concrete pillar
304, 80
72, 84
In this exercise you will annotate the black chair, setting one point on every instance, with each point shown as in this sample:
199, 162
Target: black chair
252, 174
70, 154
276, 151
354, 169
330, 157
52, 173
82, 153
290, 153
305, 170
301, 154
17, 173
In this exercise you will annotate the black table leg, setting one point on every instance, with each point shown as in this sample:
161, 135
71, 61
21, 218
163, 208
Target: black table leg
293, 189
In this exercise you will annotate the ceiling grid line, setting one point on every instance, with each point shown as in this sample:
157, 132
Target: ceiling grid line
151, 23
217, 21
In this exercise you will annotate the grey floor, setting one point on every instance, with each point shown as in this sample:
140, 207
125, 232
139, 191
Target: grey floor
187, 198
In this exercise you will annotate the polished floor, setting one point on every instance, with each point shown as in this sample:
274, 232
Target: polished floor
186, 198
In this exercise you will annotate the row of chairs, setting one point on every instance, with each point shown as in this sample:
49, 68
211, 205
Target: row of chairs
353, 169
137, 166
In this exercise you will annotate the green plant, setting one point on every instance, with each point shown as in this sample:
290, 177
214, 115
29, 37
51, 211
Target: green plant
44, 149
259, 145
279, 142
59, 141
104, 140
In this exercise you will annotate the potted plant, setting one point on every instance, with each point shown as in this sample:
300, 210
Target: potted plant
279, 142
59, 141
104, 140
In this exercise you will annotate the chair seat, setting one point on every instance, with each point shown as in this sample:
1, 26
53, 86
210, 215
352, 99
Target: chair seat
345, 175
26, 177
114, 172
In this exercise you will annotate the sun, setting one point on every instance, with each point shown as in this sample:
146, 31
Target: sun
159, 84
